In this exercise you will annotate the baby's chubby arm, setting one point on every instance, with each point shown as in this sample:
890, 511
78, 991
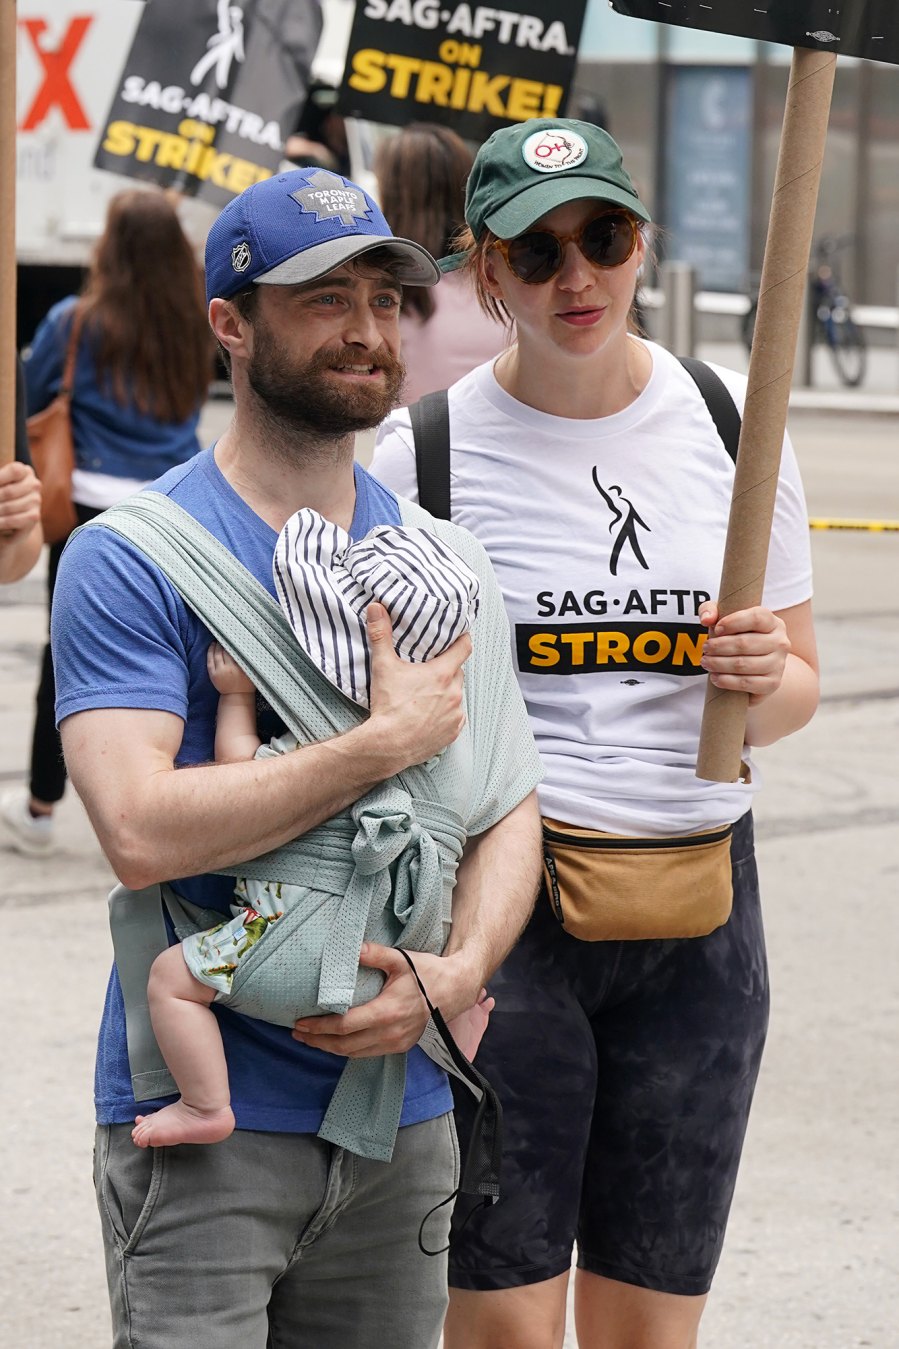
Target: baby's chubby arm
235, 727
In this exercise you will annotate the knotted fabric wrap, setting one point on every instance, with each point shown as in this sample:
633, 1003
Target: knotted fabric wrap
325, 584
387, 831
382, 871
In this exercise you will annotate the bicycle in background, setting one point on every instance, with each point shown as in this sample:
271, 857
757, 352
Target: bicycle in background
834, 324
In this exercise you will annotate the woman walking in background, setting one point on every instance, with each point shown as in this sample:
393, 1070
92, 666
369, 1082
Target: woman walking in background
142, 372
445, 333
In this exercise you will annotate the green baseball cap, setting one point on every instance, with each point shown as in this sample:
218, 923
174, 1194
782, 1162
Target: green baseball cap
525, 170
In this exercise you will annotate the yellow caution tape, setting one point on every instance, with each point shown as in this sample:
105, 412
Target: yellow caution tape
873, 526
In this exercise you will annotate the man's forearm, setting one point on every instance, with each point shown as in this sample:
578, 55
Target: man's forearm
497, 882
187, 821
155, 821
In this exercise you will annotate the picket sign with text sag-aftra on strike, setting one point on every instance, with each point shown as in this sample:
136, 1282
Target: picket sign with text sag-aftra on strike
207, 113
472, 67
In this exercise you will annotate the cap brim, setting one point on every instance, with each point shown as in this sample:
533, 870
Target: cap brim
524, 210
418, 267
453, 261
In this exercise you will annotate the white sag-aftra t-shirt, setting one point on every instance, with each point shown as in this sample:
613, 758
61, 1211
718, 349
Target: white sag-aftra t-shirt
606, 537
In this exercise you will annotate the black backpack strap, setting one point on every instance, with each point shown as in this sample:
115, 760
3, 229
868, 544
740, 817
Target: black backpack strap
717, 397
431, 432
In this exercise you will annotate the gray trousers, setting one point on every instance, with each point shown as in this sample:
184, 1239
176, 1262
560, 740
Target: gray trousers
275, 1241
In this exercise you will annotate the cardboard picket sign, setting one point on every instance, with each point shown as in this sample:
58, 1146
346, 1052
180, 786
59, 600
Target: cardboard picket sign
868, 28
817, 29
209, 93
471, 67
8, 232
781, 298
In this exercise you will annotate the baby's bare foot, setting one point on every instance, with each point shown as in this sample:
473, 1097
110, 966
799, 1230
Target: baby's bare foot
182, 1123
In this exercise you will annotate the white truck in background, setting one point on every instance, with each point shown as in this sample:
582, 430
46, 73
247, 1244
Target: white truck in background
70, 55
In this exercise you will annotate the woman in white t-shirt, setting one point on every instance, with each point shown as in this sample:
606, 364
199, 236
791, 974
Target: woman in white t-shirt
587, 462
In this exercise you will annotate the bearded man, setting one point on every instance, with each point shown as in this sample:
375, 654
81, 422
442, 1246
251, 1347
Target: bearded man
277, 1237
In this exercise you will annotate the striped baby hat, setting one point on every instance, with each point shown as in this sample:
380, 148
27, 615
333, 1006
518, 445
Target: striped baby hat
325, 583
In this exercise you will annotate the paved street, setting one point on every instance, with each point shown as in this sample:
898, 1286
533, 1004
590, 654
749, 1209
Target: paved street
811, 1256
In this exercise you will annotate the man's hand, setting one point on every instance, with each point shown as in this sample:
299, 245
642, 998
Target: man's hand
746, 651
468, 1028
416, 709
394, 1020
20, 500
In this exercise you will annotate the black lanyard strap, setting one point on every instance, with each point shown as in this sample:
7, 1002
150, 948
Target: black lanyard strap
480, 1167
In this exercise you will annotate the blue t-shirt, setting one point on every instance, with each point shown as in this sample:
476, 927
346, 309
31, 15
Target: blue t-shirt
123, 637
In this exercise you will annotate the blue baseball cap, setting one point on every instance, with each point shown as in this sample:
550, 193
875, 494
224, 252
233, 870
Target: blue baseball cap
298, 226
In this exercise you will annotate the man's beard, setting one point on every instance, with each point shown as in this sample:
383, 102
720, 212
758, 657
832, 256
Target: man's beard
301, 398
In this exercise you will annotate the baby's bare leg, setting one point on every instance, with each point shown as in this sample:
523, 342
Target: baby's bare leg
191, 1045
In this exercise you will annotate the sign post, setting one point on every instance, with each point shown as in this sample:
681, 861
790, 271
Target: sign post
8, 230
817, 29
781, 299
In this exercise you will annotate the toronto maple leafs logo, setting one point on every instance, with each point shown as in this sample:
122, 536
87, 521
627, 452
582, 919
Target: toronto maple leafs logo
328, 197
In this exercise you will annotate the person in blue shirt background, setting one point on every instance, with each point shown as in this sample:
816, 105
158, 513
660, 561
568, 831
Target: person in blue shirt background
142, 372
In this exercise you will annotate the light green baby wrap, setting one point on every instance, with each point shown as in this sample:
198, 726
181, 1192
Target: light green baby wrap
382, 871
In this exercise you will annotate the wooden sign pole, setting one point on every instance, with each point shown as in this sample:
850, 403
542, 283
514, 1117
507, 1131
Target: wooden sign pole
781, 299
7, 230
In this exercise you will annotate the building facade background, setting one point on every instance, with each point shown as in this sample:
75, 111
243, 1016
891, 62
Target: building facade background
699, 116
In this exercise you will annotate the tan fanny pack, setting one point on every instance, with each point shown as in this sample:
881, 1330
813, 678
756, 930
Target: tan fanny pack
604, 887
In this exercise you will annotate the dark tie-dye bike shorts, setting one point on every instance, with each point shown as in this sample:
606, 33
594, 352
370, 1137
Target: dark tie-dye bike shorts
626, 1072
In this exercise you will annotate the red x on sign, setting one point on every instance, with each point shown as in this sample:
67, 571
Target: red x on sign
57, 89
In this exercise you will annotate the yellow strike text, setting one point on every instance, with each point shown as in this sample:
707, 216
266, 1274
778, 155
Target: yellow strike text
460, 88
189, 151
